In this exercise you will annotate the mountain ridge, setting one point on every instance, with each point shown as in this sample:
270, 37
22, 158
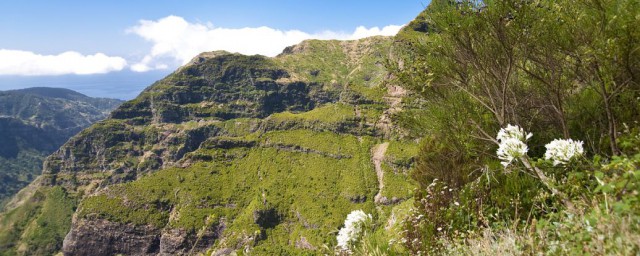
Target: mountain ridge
227, 118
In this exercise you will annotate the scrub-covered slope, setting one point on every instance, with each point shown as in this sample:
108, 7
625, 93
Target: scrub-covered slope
233, 153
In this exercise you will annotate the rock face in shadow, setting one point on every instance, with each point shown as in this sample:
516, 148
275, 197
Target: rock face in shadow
225, 86
181, 242
102, 237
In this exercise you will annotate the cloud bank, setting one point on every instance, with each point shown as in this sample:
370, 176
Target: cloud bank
175, 41
25, 63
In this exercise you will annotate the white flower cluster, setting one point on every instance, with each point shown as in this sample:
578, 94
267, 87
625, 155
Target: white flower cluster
562, 151
353, 228
513, 132
512, 144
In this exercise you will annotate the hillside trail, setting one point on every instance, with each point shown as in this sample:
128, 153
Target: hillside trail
377, 156
394, 99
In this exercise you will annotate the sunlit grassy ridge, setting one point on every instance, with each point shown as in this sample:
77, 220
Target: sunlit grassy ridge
356, 66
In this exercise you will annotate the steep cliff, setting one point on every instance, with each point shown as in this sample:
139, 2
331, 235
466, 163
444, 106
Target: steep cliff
235, 153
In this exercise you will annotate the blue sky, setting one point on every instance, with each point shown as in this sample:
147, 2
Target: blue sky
82, 44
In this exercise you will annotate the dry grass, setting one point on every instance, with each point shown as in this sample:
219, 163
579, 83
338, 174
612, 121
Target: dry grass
490, 242
593, 233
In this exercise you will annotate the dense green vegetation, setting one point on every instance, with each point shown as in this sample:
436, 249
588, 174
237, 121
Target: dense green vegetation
17, 172
37, 226
560, 69
280, 176
307, 178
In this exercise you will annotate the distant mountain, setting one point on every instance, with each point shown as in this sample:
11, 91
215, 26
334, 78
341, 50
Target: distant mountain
60, 93
34, 122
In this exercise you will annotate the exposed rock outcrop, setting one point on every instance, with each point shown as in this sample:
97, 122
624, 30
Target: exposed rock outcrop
102, 237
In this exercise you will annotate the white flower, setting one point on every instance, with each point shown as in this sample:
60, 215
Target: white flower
512, 144
513, 132
589, 227
510, 149
562, 151
352, 230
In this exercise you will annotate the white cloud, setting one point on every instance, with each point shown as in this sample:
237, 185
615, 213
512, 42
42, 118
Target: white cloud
176, 41
25, 63
362, 32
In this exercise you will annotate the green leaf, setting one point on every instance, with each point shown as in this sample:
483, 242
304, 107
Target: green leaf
599, 175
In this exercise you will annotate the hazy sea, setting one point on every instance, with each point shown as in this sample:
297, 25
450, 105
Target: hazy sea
124, 85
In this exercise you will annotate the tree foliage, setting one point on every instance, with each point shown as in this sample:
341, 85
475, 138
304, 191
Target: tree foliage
557, 68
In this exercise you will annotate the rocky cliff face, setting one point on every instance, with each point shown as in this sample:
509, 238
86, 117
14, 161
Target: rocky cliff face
121, 238
238, 153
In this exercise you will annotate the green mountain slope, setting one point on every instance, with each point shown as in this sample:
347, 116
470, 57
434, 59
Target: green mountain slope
232, 153
34, 122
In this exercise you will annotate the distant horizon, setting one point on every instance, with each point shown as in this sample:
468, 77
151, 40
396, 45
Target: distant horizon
126, 46
124, 85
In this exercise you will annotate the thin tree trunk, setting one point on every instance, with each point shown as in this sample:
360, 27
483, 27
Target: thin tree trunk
611, 121
560, 110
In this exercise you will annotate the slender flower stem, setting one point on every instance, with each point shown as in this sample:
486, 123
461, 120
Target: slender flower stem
547, 182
